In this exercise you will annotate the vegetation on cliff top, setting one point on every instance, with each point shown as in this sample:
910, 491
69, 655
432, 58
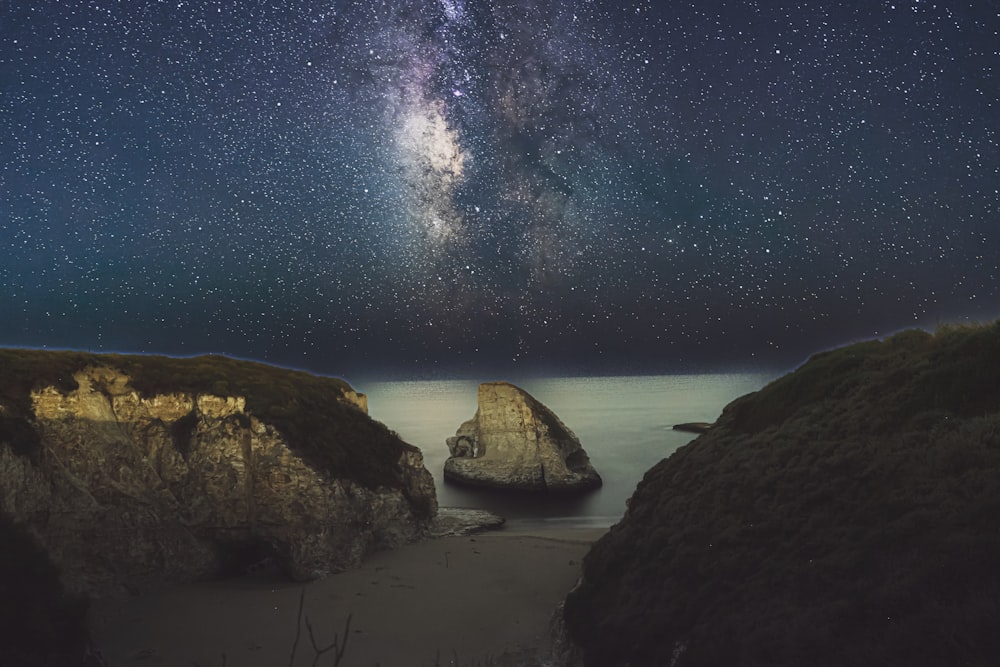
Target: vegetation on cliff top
894, 384
846, 514
328, 433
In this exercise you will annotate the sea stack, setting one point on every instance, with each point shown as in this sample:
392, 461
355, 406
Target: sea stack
514, 442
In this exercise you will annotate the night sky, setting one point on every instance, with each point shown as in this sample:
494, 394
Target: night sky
425, 188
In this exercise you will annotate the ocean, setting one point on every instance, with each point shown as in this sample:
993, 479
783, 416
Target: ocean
624, 423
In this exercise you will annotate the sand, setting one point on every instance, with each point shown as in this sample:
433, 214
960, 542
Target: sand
477, 596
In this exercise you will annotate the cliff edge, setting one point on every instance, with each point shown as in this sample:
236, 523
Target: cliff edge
846, 514
137, 470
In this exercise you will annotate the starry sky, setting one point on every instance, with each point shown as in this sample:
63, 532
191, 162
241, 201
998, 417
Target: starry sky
436, 187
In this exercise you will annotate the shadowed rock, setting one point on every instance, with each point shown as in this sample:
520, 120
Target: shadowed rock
514, 442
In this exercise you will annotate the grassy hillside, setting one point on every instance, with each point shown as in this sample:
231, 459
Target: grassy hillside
846, 514
305, 408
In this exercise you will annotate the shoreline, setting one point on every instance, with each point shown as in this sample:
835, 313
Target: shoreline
476, 596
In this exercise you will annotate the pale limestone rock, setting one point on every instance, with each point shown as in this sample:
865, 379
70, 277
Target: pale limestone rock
134, 491
515, 442
357, 399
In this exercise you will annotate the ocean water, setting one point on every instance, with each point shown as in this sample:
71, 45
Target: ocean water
624, 424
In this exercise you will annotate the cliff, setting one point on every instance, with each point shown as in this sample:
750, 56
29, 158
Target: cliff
135, 470
846, 514
514, 442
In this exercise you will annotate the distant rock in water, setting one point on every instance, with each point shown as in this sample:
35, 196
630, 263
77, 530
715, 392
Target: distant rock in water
846, 514
693, 427
514, 442
136, 470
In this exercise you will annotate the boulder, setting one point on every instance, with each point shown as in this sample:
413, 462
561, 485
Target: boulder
460, 521
514, 442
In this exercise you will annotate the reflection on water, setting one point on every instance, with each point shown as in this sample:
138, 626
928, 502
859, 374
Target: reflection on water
624, 423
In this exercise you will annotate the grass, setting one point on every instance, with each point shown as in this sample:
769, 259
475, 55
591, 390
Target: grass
843, 515
887, 383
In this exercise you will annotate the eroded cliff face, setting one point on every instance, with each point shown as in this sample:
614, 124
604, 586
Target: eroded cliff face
127, 489
515, 442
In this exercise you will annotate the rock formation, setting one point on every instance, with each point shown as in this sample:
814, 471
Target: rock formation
133, 471
693, 427
846, 514
459, 521
514, 442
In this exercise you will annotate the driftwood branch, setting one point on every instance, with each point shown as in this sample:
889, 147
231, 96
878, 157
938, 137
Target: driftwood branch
298, 628
338, 646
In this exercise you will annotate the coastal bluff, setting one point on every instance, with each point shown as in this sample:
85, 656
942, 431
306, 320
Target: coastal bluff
514, 442
134, 471
845, 514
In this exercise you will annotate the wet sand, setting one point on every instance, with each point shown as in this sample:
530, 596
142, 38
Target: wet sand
478, 597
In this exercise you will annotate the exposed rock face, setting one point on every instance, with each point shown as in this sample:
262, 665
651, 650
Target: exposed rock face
357, 399
846, 514
132, 488
515, 442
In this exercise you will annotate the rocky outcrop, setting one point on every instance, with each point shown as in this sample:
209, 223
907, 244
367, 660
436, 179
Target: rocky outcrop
846, 514
459, 521
355, 398
514, 442
132, 487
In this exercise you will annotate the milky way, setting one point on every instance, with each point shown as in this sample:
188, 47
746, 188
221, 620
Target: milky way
451, 186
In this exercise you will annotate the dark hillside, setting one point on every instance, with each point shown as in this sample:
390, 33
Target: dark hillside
846, 514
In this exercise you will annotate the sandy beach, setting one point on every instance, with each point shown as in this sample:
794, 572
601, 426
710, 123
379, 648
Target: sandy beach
476, 597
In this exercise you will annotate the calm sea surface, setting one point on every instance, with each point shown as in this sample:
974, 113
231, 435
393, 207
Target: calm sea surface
624, 424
